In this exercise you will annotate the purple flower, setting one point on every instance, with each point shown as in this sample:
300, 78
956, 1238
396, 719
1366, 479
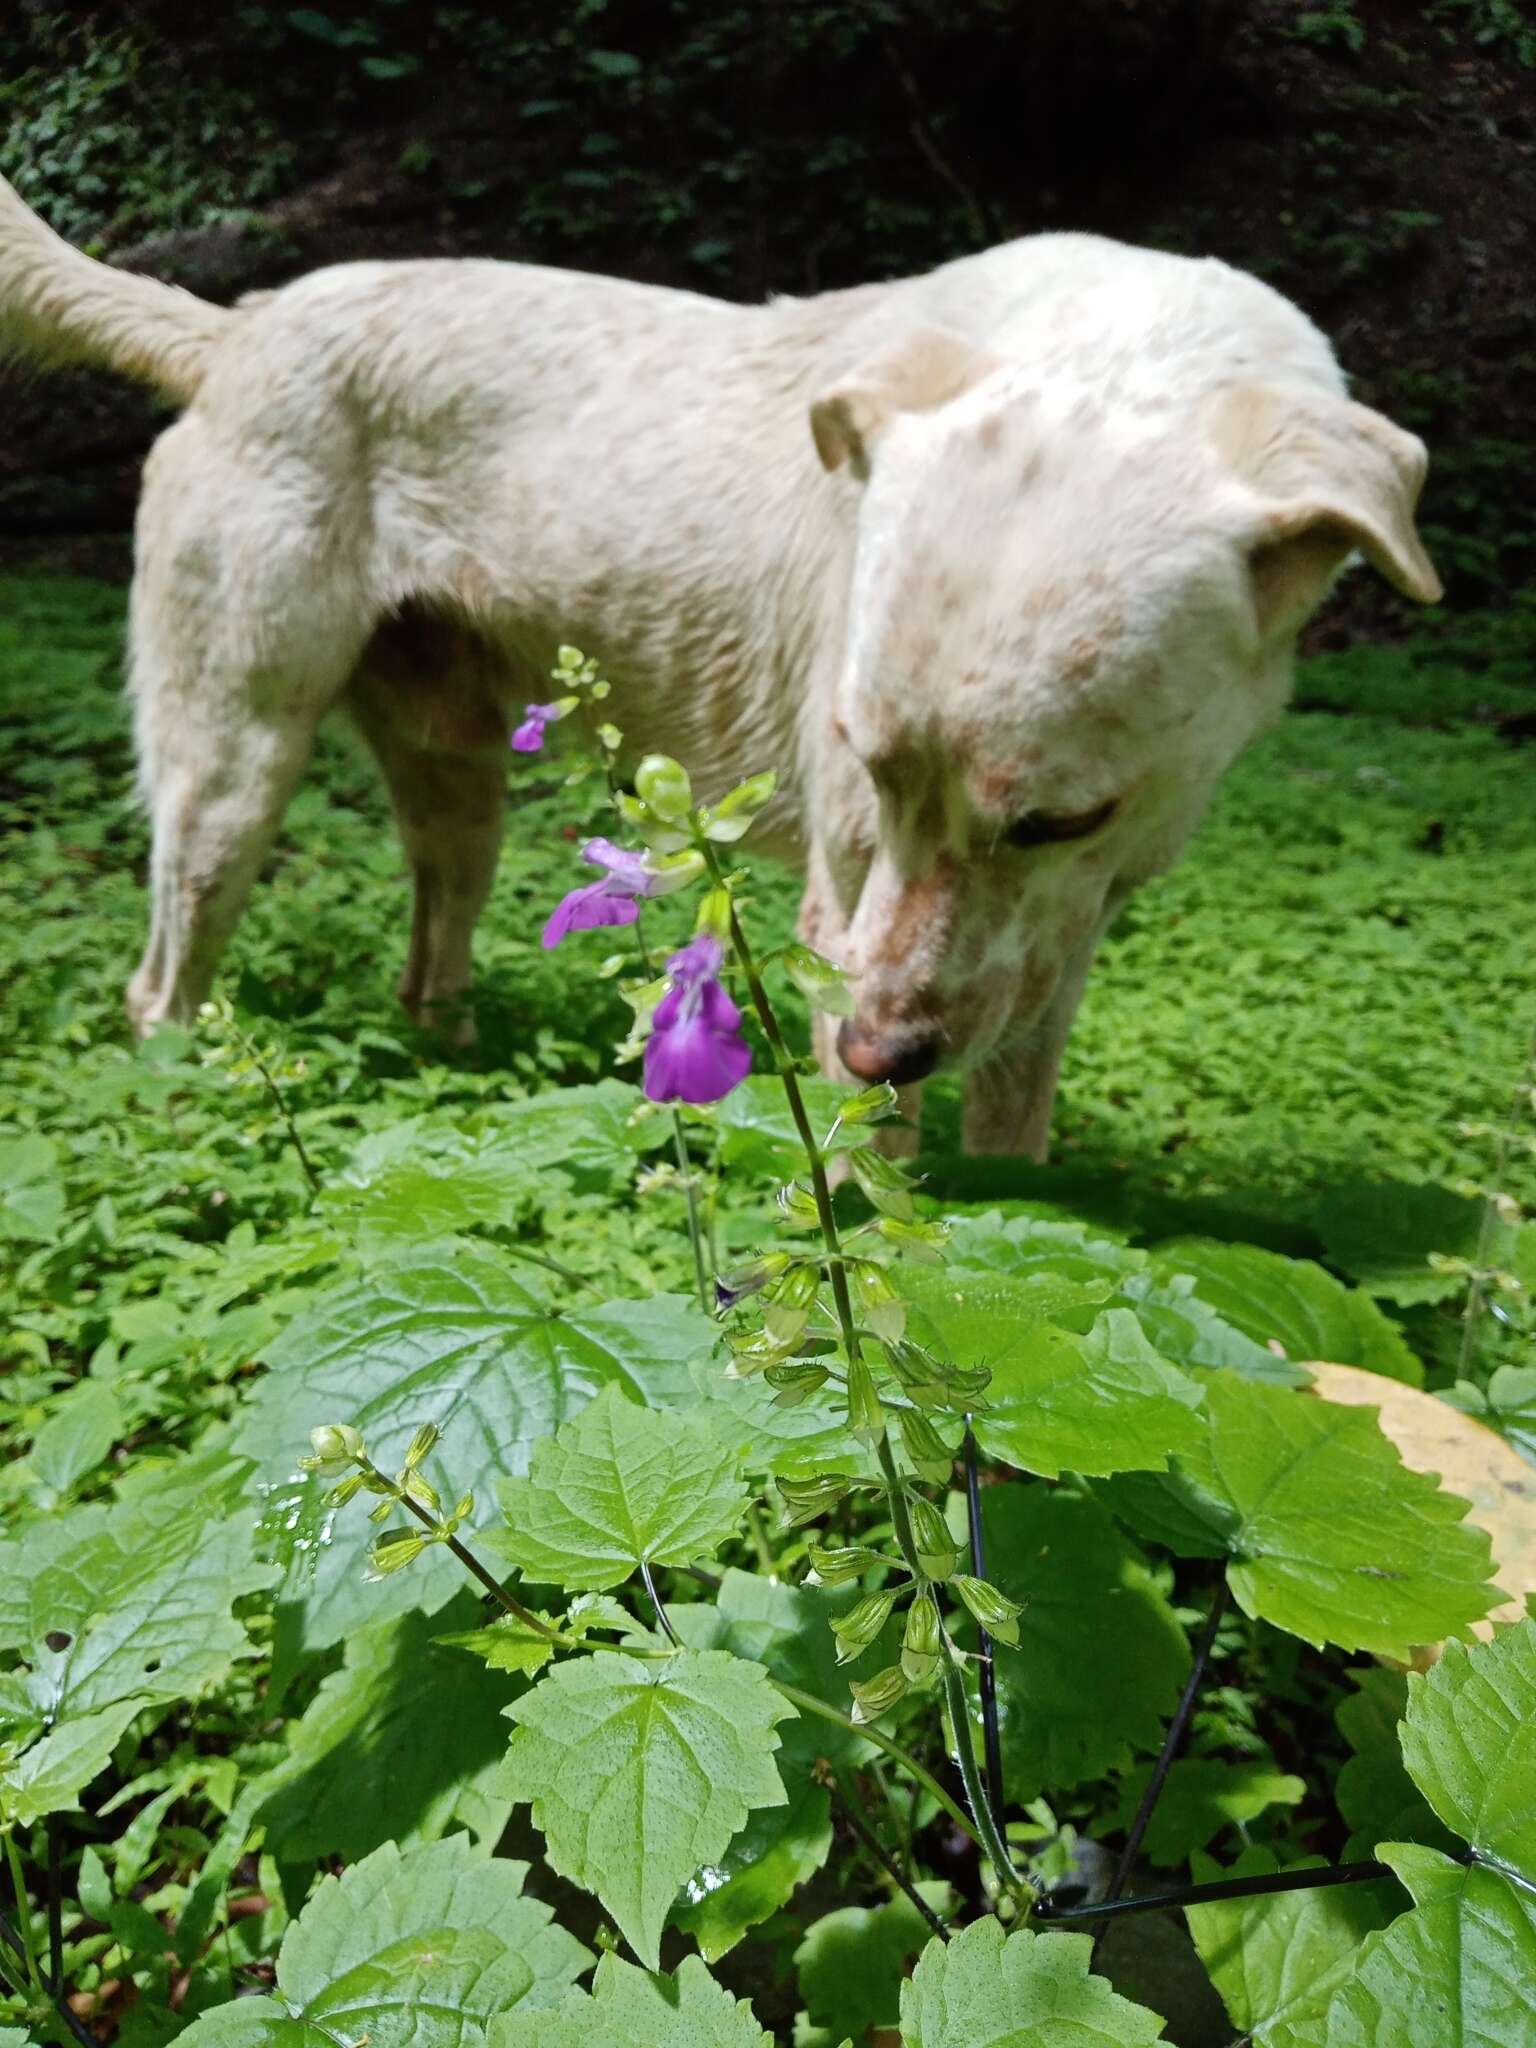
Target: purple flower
529, 736
695, 1052
610, 901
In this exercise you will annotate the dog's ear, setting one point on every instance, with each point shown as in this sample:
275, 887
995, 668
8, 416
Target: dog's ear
924, 370
1328, 477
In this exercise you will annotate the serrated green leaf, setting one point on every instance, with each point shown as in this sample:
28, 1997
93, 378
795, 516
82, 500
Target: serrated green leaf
853, 1962
412, 1950
618, 1487
31, 1198
1469, 1743
1383, 1235
1373, 1791
49, 1776
987, 1990
763, 1867
1200, 1797
1101, 1656
400, 1744
972, 1317
111, 1609
447, 1335
1454, 1973
630, 2008
1189, 1332
639, 1774
1292, 1302
80, 1430
1100, 1403
1025, 1246
1327, 1533
1274, 1958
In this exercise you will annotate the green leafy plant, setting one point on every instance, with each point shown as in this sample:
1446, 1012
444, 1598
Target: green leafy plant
804, 1641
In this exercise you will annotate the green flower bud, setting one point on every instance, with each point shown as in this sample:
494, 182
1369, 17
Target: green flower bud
421, 1444
882, 1307
609, 738
866, 1413
998, 1615
714, 918
336, 1442
930, 1456
837, 1567
883, 1182
858, 1628
936, 1552
420, 1489
663, 784
344, 1490
824, 985
877, 1695
463, 1508
922, 1642
806, 1499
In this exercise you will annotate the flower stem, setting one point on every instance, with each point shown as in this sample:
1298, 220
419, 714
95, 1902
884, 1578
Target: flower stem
991, 1836
866, 1835
23, 1912
521, 1251
810, 1703
987, 1668
691, 1196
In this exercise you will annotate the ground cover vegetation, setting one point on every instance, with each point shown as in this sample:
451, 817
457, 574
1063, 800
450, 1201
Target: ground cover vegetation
795, 1579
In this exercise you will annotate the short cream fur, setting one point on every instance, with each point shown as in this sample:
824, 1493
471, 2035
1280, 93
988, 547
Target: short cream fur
1072, 504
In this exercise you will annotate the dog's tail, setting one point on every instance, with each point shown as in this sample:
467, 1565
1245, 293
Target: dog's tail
58, 306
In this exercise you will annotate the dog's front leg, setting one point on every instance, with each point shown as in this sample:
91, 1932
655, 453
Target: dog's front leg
823, 924
1010, 1096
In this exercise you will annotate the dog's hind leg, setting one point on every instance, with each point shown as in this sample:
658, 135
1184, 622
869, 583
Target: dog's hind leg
426, 702
231, 679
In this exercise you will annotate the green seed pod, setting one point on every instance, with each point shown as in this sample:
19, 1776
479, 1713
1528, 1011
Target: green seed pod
731, 818
344, 1490
883, 1181
799, 1206
922, 1642
931, 1457
838, 1567
866, 1412
858, 1628
714, 914
923, 1242
936, 1553
823, 984
806, 1499
795, 1380
998, 1615
882, 1307
787, 1305
868, 1105
920, 1377
877, 1695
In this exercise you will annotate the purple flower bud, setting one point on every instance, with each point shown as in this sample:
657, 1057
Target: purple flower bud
695, 1052
529, 736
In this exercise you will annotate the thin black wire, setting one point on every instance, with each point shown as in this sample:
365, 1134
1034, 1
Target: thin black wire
886, 1861
1171, 1744
81, 2033
1224, 1888
992, 1747
662, 1618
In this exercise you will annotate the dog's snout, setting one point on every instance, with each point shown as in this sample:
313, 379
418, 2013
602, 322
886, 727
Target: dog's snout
874, 1058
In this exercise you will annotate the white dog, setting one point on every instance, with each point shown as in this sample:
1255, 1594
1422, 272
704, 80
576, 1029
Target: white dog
1073, 502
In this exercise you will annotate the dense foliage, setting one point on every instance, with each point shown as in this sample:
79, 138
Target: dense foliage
678, 1640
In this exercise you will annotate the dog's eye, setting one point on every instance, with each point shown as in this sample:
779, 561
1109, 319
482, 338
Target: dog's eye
1048, 828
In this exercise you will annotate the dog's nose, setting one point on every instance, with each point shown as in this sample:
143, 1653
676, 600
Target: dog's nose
874, 1058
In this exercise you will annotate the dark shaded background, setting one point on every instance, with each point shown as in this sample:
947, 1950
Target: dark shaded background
1376, 161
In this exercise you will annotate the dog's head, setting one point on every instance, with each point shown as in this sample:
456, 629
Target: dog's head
1065, 622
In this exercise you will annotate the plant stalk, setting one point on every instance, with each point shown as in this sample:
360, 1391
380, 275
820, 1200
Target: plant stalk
877, 1849
990, 1733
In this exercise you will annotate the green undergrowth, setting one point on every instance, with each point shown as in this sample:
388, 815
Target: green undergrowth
288, 1800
